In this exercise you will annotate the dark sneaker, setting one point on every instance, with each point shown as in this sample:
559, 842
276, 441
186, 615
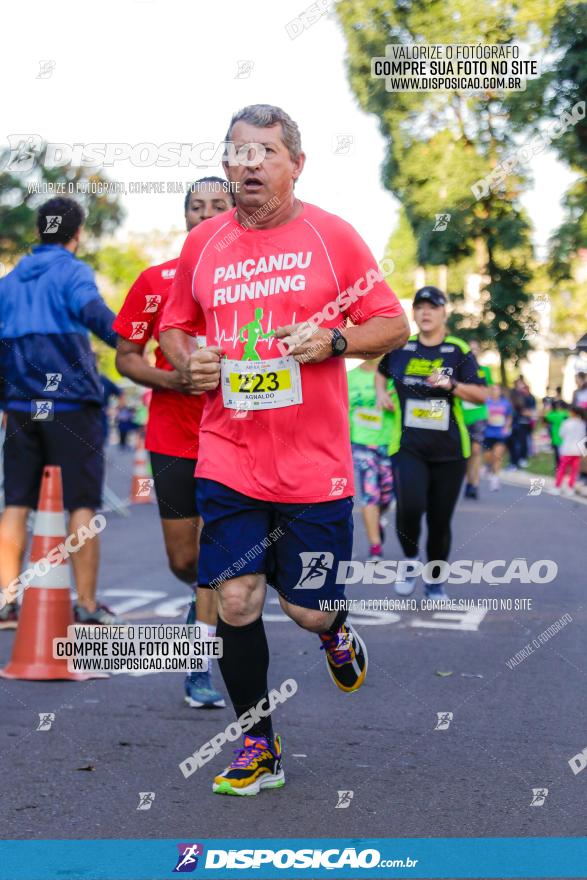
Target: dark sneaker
346, 657
9, 616
200, 693
256, 766
102, 616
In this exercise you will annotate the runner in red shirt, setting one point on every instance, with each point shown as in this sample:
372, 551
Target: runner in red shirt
274, 470
174, 420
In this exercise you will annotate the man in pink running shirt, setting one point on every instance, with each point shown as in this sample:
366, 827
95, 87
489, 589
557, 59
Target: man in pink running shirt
278, 282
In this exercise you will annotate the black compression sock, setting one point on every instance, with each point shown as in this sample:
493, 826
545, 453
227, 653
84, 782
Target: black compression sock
338, 621
243, 665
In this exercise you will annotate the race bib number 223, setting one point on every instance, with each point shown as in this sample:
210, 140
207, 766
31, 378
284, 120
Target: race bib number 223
269, 384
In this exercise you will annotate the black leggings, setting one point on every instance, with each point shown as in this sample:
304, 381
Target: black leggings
431, 488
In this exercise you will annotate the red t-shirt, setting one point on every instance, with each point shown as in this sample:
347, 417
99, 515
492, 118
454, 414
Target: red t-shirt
174, 418
299, 453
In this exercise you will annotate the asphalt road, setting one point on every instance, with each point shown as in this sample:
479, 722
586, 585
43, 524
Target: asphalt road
512, 730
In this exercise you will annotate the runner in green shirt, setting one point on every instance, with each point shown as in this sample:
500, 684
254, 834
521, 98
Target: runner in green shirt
375, 434
475, 416
554, 419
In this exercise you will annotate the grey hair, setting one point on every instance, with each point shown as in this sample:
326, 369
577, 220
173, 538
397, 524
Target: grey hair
265, 115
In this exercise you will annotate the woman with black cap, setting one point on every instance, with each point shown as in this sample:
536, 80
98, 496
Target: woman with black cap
433, 373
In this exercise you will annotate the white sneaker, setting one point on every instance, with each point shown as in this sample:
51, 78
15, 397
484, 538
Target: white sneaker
523, 463
494, 483
554, 490
407, 586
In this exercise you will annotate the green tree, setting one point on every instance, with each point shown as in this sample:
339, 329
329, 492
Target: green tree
24, 189
439, 144
117, 268
402, 248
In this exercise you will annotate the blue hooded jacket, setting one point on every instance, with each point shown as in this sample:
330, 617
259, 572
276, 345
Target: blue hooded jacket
47, 305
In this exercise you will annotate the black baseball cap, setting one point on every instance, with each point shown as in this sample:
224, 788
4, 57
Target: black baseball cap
430, 294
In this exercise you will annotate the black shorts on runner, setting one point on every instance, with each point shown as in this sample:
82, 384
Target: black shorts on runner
175, 485
73, 440
490, 442
477, 431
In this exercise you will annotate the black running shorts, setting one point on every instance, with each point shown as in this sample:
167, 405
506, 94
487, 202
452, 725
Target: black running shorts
74, 440
175, 485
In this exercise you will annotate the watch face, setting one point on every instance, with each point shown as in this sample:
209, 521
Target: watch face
340, 344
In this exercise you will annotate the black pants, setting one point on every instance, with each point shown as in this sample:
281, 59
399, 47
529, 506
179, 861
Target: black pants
557, 455
518, 443
431, 488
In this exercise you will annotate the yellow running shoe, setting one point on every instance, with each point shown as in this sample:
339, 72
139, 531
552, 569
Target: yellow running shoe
256, 766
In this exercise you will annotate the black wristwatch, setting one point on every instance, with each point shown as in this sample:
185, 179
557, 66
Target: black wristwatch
339, 343
453, 383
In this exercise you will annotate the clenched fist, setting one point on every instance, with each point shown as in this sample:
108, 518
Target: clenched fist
204, 368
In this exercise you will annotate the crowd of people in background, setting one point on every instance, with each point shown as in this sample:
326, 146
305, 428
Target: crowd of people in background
507, 432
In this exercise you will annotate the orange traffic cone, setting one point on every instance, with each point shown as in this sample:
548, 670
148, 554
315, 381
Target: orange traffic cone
46, 611
141, 490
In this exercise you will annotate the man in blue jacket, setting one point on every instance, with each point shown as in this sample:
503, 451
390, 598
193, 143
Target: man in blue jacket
53, 397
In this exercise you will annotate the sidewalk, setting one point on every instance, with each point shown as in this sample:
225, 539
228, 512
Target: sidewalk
539, 484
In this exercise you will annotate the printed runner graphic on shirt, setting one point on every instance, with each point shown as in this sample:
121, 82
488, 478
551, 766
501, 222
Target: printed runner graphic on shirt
254, 333
295, 446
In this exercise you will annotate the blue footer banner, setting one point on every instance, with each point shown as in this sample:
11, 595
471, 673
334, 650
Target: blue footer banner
452, 857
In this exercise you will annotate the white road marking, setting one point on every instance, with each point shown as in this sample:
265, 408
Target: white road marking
468, 620
137, 598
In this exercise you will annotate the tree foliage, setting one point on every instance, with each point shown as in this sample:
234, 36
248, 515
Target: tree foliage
440, 143
20, 198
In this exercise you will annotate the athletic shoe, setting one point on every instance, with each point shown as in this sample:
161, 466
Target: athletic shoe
439, 594
346, 657
554, 490
256, 766
468, 488
9, 616
200, 693
407, 586
375, 553
102, 616
471, 491
494, 483
523, 463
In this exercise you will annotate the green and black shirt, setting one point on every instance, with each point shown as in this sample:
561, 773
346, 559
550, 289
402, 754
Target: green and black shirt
433, 426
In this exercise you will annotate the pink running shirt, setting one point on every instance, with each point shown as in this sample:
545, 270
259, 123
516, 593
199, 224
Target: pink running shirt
299, 453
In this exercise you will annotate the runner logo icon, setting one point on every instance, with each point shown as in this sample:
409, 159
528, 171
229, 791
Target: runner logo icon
144, 487
146, 799
152, 302
442, 221
344, 800
444, 719
53, 380
539, 795
139, 328
338, 485
315, 567
46, 719
188, 857
53, 222
42, 410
